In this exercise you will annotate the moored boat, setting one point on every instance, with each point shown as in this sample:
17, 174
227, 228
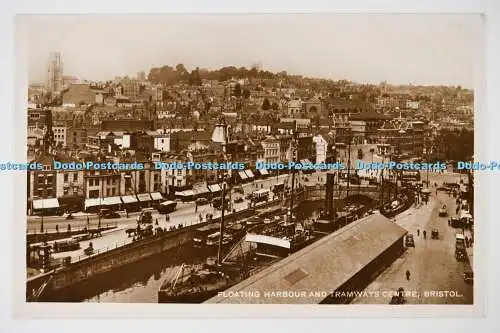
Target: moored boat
195, 284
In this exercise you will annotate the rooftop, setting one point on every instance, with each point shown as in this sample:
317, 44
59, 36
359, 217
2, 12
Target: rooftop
370, 115
323, 266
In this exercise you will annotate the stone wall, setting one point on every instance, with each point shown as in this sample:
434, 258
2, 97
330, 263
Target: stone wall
124, 255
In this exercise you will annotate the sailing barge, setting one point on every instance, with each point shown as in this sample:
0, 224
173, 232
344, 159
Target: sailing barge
195, 284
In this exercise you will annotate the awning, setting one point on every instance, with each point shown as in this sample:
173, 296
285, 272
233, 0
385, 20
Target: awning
263, 239
186, 193
45, 203
144, 197
242, 175
156, 196
129, 199
263, 172
201, 188
249, 173
214, 188
93, 202
111, 201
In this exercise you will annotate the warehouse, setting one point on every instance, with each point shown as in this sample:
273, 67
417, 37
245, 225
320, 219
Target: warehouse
328, 271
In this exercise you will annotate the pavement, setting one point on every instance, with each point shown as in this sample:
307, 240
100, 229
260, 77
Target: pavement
186, 214
436, 277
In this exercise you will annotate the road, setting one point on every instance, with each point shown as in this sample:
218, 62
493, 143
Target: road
80, 221
186, 212
432, 264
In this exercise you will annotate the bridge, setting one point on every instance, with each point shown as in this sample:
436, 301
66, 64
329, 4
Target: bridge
318, 192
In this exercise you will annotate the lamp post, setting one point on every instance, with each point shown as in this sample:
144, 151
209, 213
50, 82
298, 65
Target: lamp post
293, 147
401, 132
43, 199
41, 225
100, 205
427, 153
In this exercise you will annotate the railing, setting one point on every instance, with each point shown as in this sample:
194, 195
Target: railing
73, 230
127, 241
101, 251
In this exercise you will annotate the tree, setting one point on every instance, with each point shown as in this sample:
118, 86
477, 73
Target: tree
194, 78
179, 68
266, 105
253, 72
246, 93
242, 72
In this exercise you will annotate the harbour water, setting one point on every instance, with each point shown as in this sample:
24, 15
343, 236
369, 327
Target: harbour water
139, 282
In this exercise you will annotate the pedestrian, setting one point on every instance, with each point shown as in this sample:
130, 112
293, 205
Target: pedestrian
425, 234
466, 241
418, 232
407, 275
126, 213
196, 208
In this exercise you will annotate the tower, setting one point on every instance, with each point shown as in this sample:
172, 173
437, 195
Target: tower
55, 73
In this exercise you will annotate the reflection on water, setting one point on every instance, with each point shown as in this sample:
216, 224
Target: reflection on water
139, 282
135, 283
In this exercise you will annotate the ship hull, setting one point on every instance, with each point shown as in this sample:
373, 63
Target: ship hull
193, 297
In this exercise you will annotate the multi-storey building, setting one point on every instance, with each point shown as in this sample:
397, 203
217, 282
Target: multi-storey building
42, 186
365, 125
60, 130
272, 153
321, 147
404, 136
294, 107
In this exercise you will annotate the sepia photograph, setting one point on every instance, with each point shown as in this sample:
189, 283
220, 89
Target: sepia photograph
250, 159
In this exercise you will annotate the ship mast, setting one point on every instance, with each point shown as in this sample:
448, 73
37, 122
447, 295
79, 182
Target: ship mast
293, 148
336, 175
220, 136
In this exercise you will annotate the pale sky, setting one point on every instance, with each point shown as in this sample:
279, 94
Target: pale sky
402, 49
